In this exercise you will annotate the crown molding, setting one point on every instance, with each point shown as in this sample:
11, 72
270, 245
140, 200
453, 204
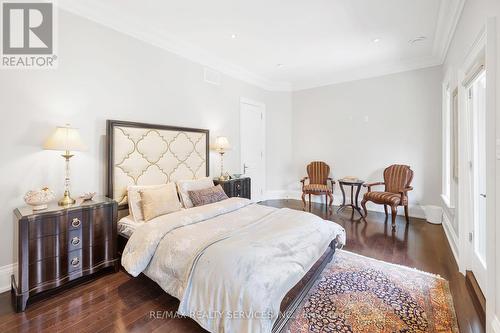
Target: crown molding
448, 17
99, 12
372, 71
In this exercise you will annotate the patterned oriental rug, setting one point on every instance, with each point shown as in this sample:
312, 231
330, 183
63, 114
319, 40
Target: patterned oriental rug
359, 294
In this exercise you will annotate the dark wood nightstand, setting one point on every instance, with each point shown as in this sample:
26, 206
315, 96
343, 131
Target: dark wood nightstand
58, 245
237, 187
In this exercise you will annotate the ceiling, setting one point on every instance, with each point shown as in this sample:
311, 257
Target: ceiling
288, 44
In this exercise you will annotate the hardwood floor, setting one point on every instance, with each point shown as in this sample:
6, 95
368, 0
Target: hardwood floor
119, 303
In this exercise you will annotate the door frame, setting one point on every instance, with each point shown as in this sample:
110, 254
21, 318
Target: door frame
485, 41
248, 101
473, 123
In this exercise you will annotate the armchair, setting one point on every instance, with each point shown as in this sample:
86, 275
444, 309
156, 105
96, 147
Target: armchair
397, 180
318, 176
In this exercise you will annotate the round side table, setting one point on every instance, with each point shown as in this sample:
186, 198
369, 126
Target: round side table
355, 183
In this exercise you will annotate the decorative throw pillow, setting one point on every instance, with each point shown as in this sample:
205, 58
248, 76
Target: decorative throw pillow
158, 201
134, 198
207, 195
184, 186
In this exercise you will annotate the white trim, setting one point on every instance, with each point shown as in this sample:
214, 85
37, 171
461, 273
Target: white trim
5, 274
484, 42
448, 17
475, 49
371, 71
446, 142
414, 210
252, 102
102, 13
492, 249
498, 149
464, 208
262, 106
279, 195
495, 325
447, 202
452, 237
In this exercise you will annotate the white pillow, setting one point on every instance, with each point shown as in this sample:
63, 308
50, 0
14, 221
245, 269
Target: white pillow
158, 201
134, 198
184, 186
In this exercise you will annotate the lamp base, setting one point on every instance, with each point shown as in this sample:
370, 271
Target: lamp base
66, 200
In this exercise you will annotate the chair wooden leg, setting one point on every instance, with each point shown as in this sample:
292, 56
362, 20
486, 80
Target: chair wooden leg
406, 214
385, 210
363, 204
330, 195
303, 201
309, 202
394, 213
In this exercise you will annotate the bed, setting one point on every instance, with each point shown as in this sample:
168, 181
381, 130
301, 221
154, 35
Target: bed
235, 266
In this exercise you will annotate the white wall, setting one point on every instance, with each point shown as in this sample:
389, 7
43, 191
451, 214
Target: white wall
361, 127
104, 74
472, 21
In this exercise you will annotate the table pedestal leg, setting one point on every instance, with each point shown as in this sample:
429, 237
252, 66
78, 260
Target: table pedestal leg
354, 204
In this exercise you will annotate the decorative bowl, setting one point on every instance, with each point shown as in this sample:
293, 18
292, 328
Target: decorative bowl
237, 175
88, 196
38, 199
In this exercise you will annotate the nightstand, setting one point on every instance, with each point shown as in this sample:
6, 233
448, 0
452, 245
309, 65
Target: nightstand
59, 245
236, 187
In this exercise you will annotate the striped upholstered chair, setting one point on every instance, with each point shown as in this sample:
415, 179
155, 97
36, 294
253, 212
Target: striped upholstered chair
397, 180
318, 175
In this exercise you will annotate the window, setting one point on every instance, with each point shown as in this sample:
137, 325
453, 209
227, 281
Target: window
450, 144
454, 134
447, 126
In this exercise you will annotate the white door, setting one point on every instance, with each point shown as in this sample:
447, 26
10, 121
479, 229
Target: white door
252, 131
476, 108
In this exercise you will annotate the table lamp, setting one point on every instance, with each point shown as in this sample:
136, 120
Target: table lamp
221, 146
65, 139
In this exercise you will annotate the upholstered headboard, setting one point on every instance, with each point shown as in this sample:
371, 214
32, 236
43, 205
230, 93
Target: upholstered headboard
146, 154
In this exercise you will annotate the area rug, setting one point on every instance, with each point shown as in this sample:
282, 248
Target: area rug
359, 294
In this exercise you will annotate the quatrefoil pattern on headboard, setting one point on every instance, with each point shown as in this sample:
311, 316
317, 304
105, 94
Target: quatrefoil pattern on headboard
146, 156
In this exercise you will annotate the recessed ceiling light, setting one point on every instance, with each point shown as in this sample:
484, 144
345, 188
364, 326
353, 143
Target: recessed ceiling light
417, 39
279, 65
376, 40
234, 36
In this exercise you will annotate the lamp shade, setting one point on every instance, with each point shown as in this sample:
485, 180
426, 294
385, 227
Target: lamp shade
222, 143
65, 139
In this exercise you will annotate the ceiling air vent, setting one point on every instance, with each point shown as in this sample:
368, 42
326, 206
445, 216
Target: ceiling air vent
212, 77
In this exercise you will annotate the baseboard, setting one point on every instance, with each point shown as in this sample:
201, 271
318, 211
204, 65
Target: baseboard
495, 325
5, 274
277, 194
477, 294
451, 236
414, 210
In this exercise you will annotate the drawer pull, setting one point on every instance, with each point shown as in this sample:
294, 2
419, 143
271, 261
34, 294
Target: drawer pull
75, 262
75, 241
76, 222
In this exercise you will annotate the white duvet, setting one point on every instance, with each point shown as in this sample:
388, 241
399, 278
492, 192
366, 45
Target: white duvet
230, 263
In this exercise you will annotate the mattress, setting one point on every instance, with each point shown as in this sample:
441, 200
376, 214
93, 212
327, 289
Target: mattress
196, 256
127, 226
